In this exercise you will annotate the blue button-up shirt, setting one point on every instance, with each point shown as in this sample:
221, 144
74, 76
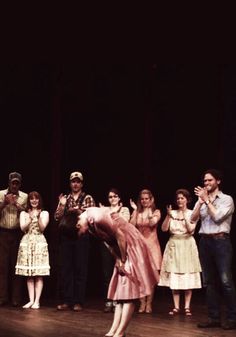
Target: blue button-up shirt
221, 221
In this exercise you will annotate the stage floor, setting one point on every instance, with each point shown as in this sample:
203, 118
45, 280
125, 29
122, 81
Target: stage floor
48, 322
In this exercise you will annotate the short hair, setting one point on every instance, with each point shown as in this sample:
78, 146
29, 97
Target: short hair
115, 191
185, 193
217, 174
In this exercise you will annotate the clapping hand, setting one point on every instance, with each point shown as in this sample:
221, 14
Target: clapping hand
169, 209
202, 194
132, 204
62, 199
10, 199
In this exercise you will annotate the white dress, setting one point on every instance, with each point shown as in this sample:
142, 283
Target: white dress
33, 256
180, 265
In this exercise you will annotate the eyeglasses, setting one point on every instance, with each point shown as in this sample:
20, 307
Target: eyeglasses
112, 196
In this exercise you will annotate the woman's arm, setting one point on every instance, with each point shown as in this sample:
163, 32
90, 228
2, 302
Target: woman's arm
125, 213
166, 223
121, 240
25, 221
190, 225
111, 250
133, 219
120, 262
43, 220
154, 218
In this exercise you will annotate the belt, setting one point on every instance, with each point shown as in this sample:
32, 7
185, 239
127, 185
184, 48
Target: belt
215, 235
9, 230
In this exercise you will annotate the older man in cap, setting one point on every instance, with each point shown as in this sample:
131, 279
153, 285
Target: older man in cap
12, 202
73, 250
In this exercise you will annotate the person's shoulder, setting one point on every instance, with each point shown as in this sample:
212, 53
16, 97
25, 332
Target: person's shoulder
23, 194
2, 192
224, 195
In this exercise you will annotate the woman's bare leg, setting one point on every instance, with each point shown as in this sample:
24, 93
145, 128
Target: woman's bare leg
127, 312
188, 296
116, 319
176, 298
30, 287
38, 291
142, 304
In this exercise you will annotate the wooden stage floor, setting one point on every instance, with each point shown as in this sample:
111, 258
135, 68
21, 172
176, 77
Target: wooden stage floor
48, 322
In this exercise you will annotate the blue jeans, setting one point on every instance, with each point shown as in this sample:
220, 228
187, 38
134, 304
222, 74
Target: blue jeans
216, 259
74, 255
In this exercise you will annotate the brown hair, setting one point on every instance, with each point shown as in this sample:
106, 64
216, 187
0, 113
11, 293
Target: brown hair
115, 191
185, 193
36, 195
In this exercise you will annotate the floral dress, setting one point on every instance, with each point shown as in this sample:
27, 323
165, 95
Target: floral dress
33, 256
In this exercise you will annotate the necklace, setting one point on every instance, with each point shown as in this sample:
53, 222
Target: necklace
177, 219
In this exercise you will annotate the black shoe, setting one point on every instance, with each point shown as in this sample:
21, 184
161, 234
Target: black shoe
209, 324
229, 325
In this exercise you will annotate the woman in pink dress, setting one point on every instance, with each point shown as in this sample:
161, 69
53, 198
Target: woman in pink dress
135, 273
146, 217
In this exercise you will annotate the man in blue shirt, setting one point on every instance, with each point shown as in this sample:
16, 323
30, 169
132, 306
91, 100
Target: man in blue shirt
215, 210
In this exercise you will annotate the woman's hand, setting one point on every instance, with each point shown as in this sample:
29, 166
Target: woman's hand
34, 213
121, 267
132, 204
169, 209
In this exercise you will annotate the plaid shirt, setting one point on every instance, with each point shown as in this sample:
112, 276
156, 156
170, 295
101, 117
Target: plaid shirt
84, 201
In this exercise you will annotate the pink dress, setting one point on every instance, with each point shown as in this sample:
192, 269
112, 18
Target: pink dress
141, 273
150, 235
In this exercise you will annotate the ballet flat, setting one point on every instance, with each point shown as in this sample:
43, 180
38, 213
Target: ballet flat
27, 305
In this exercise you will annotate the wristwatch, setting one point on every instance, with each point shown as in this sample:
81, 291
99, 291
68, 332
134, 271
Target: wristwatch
207, 202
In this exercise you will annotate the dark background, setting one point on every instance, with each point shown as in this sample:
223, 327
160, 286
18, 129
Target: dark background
131, 126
